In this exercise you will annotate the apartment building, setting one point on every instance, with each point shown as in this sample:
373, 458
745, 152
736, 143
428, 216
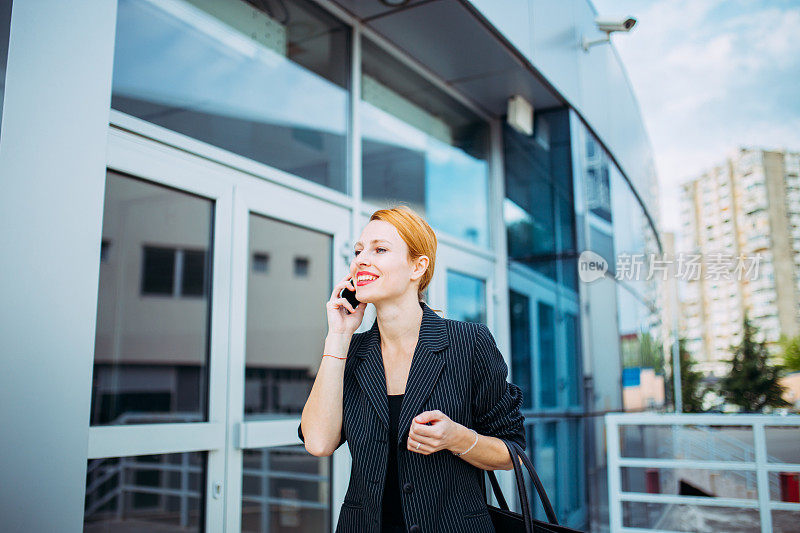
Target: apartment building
742, 218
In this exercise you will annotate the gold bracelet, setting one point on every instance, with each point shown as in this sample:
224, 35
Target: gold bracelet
329, 355
468, 449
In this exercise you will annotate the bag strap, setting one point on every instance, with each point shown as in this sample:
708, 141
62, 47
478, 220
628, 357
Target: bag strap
498, 494
527, 517
517, 453
548, 507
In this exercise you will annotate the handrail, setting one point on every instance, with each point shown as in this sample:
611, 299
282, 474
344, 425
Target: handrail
722, 453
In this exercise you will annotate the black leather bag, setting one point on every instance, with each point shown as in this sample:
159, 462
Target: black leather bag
507, 521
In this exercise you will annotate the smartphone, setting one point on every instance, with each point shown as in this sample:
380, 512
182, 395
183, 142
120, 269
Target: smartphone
351, 297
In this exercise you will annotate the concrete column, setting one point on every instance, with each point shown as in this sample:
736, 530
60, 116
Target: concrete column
52, 174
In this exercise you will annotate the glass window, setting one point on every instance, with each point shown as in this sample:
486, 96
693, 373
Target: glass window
422, 148
151, 342
539, 207
269, 84
146, 493
519, 310
466, 297
547, 355
285, 490
546, 463
573, 349
158, 273
282, 353
5, 27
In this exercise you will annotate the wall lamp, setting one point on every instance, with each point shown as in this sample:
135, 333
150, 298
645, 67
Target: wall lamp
608, 27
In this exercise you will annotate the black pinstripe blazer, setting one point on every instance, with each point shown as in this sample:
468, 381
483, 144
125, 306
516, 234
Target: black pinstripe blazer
457, 369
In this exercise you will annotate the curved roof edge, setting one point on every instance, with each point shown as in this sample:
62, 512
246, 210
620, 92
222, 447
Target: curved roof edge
594, 83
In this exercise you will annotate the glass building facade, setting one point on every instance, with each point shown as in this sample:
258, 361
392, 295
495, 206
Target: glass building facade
237, 153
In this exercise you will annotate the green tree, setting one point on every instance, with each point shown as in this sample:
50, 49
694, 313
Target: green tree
791, 352
752, 382
692, 389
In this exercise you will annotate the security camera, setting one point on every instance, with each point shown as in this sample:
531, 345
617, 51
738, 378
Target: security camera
610, 26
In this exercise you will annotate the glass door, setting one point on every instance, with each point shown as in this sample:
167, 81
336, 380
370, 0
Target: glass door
466, 285
287, 251
156, 455
546, 358
210, 325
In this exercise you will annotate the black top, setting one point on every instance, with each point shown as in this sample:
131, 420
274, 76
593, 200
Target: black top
392, 518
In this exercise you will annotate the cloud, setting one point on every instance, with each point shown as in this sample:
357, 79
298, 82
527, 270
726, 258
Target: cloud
711, 75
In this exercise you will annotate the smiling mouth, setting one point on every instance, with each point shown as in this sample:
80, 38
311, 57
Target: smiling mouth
361, 283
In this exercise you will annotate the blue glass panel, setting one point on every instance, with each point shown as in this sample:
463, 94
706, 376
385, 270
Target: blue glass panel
271, 90
466, 297
547, 355
520, 321
422, 148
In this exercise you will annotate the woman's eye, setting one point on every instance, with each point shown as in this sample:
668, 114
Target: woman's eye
384, 249
356, 252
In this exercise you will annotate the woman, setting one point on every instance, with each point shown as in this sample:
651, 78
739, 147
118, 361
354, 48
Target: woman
420, 399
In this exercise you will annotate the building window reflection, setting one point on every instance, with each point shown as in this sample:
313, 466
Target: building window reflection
176, 272
466, 297
421, 147
285, 489
146, 493
539, 210
270, 85
151, 353
282, 352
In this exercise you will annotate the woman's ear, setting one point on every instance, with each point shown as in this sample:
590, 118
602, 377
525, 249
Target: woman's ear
420, 266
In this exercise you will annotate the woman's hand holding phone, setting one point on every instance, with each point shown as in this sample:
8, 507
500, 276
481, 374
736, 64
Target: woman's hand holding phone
343, 316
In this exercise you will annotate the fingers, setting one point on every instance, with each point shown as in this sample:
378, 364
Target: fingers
344, 282
424, 448
423, 430
429, 416
343, 302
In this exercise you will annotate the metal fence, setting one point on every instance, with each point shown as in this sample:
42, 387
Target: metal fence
703, 472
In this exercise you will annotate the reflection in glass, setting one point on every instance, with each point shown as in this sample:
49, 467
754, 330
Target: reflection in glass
466, 297
5, 27
785, 521
422, 148
784, 486
547, 355
547, 462
286, 319
689, 518
573, 499
783, 444
151, 343
691, 482
520, 321
702, 443
539, 208
573, 354
145, 493
271, 86
285, 489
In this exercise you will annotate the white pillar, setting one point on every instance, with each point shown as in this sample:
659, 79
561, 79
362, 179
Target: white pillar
52, 177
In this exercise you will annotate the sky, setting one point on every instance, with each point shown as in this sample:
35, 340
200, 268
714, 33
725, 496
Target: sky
710, 76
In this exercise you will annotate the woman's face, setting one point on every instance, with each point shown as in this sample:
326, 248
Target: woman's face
381, 252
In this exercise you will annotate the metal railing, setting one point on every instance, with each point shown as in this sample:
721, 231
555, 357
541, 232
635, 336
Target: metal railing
697, 443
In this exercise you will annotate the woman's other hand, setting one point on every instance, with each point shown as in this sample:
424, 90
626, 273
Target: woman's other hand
339, 322
441, 434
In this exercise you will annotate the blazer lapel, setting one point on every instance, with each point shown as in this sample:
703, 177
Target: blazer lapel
426, 365
371, 375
